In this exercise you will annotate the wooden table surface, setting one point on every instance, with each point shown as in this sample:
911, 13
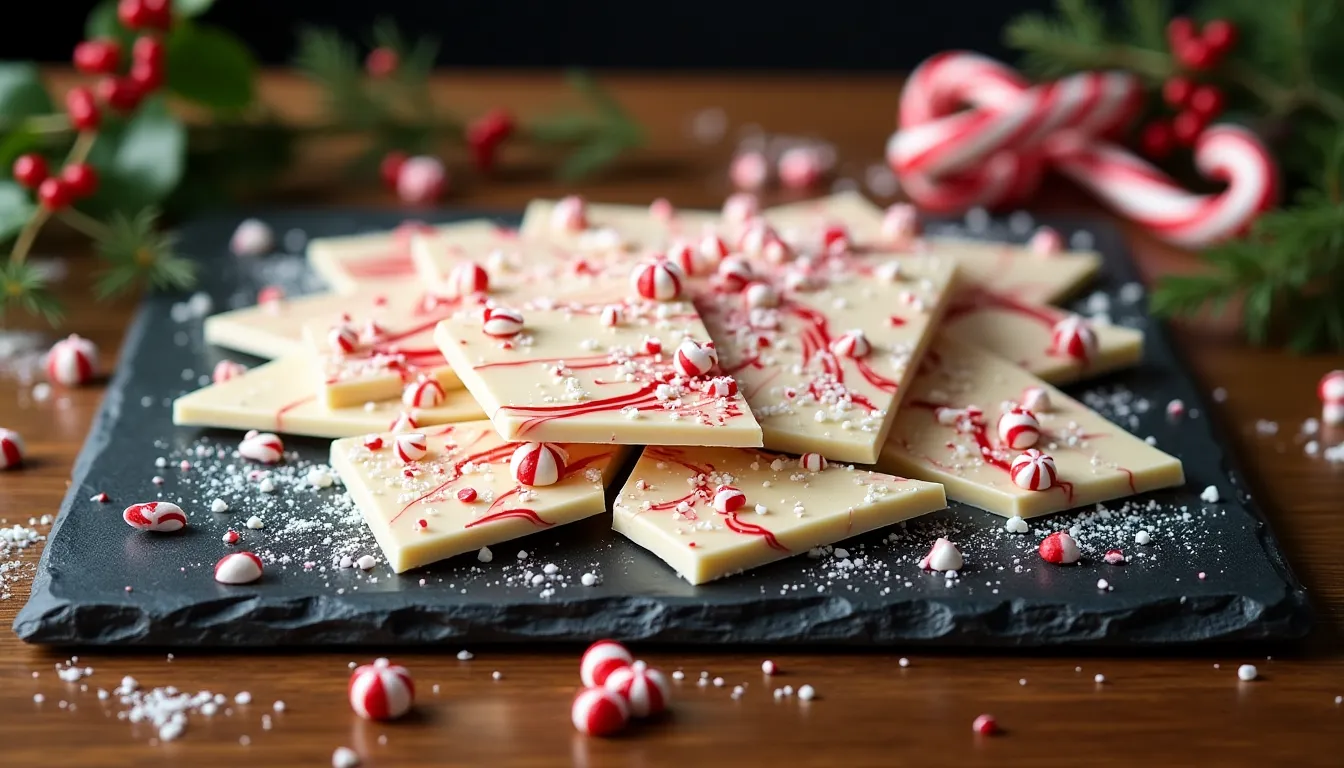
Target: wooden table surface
1155, 708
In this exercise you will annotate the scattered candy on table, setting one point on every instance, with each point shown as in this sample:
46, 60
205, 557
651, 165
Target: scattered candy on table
381, 691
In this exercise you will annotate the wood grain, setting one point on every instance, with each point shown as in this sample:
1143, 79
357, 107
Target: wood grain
1162, 709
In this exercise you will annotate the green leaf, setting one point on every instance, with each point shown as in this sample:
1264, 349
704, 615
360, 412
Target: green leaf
190, 8
16, 206
210, 66
21, 93
588, 159
140, 162
103, 23
1087, 22
1148, 22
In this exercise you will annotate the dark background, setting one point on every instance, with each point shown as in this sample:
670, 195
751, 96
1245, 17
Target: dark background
786, 34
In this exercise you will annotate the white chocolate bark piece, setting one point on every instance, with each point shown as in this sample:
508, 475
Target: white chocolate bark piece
361, 262
808, 390
280, 397
616, 227
668, 507
1006, 268
275, 329
415, 510
947, 431
568, 377
1021, 332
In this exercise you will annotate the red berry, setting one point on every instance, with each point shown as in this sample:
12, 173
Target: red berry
82, 108
146, 76
1207, 100
133, 14
1186, 127
160, 14
1220, 35
30, 170
97, 57
80, 178
1195, 54
54, 194
390, 168
486, 134
382, 62
122, 94
1179, 31
149, 50
1176, 91
1156, 140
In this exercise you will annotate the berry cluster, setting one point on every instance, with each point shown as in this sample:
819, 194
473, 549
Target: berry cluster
486, 134
121, 87
1195, 104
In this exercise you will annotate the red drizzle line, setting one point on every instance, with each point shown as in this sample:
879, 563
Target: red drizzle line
731, 520
282, 410
484, 457
517, 512
393, 265
751, 529
971, 300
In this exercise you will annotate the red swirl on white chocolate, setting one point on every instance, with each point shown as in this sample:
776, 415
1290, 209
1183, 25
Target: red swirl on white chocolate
701, 493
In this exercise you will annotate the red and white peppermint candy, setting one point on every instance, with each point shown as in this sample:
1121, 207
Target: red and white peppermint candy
11, 449
1046, 242
1033, 470
684, 255
270, 296
570, 215
611, 316
712, 250
72, 361
721, 386
226, 370
756, 237
538, 464
900, 224
852, 344
662, 210
985, 725
601, 659
812, 462
739, 207
657, 280
422, 179
1019, 429
1331, 393
1060, 549
371, 332
801, 167
157, 516
943, 556
835, 240
728, 499
381, 690
734, 273
253, 237
749, 171
760, 295
410, 447
651, 346
264, 447
404, 422
645, 689
467, 278
695, 359
1073, 337
424, 393
501, 323
599, 712
343, 339
1036, 399
238, 568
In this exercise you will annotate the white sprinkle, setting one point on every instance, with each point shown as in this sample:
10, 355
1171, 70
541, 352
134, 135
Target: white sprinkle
1142, 537
588, 579
243, 697
1210, 495
718, 682
550, 569
496, 675
255, 523
1247, 672
522, 554
278, 706
1016, 524
38, 698
465, 655
904, 662
1103, 584
160, 462
344, 757
485, 555
365, 562
807, 693
219, 505
267, 485
129, 684
678, 675
1099, 678
768, 667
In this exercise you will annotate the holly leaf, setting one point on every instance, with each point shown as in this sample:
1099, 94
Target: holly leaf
140, 161
21, 93
210, 66
16, 206
102, 22
190, 8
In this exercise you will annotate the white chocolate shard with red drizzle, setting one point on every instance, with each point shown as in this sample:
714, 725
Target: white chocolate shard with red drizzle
381, 259
775, 509
280, 397
274, 329
511, 260
569, 377
947, 432
607, 228
461, 495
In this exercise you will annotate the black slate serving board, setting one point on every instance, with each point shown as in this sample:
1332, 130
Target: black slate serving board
101, 583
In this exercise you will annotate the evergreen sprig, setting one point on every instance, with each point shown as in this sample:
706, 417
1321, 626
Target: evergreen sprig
138, 253
24, 287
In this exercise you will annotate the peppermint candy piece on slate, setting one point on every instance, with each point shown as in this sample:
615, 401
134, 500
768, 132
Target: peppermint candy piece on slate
812, 462
728, 499
238, 568
261, 446
501, 323
570, 214
696, 359
156, 516
1033, 470
1060, 549
943, 556
538, 464
410, 446
1019, 429
72, 361
467, 278
425, 393
657, 280
644, 689
601, 659
853, 344
11, 449
381, 690
253, 237
599, 712
226, 370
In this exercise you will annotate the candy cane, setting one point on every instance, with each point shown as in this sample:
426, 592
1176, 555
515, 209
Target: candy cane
996, 153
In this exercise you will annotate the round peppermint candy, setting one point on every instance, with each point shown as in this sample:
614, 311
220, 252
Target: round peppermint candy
756, 237
1036, 399
696, 359
467, 278
570, 214
1060, 549
404, 422
943, 556
72, 361
501, 323
410, 446
835, 240
1331, 393
157, 516
11, 449
657, 280
424, 393
749, 170
226, 370
712, 250
853, 344
381, 690
611, 316
601, 659
1046, 242
261, 446
662, 209
342, 339
238, 568
686, 258
812, 462
371, 332
900, 223
740, 207
253, 237
1033, 470
734, 274
721, 386
599, 712
651, 346
644, 689
538, 464
760, 295
1073, 337
728, 499
801, 167
1019, 429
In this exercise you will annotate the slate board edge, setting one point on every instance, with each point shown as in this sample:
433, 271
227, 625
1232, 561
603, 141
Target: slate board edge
47, 619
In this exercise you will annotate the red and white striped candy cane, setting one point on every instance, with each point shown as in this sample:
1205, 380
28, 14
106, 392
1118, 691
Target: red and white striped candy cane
995, 153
